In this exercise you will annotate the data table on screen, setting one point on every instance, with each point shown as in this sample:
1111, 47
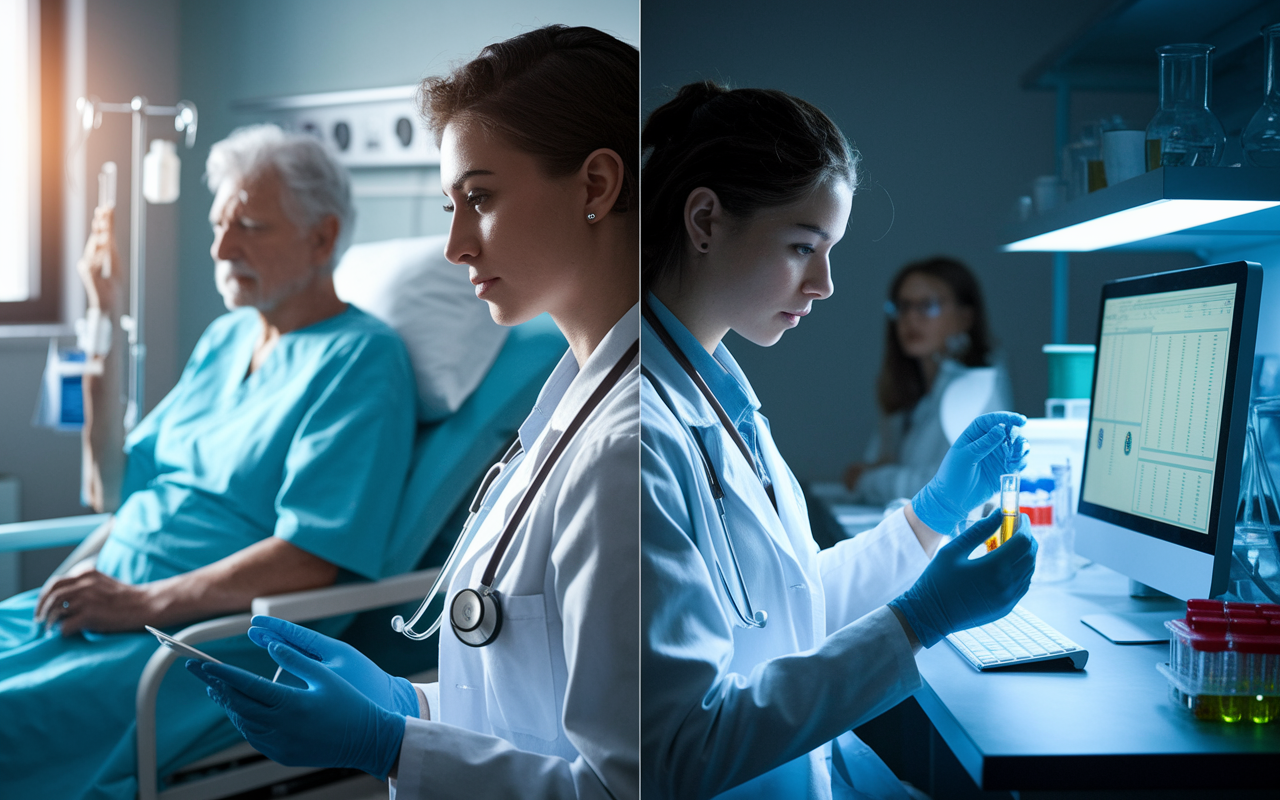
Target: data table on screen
1158, 403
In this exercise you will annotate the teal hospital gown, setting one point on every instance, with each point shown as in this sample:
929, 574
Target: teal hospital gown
313, 447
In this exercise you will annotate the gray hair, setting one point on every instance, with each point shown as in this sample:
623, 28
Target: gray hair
316, 185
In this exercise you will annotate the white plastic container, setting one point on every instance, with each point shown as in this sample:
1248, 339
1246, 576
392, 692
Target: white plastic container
161, 169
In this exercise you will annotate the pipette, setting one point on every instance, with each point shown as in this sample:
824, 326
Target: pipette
107, 199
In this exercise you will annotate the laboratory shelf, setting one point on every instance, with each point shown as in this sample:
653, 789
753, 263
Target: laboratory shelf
1115, 51
1173, 183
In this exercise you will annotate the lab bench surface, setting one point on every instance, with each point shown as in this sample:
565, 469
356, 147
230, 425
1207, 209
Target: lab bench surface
1048, 728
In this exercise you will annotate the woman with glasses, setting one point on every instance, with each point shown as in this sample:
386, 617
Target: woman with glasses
936, 332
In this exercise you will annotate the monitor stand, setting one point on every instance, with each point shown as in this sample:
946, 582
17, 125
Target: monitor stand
1136, 627
1140, 627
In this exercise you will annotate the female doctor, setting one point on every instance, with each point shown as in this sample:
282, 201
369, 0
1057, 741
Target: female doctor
757, 650
538, 690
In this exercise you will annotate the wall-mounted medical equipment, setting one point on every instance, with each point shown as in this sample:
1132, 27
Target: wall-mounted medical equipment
365, 128
61, 405
154, 179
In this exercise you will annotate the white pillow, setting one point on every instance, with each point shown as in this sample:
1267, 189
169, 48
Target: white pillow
408, 284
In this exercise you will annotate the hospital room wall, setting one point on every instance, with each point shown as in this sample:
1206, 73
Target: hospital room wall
929, 92
130, 47
240, 49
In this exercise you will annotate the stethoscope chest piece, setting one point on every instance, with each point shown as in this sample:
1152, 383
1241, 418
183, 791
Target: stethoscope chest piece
476, 617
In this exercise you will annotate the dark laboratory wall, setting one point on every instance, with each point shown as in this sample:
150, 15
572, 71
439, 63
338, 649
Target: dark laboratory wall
240, 49
928, 90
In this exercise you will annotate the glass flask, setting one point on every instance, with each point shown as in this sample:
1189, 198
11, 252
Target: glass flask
1184, 132
1255, 573
1261, 137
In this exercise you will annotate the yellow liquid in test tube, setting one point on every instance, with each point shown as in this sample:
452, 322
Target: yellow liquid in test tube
1009, 511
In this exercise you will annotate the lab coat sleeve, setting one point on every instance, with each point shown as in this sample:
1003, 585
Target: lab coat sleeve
597, 589
867, 571
432, 692
706, 729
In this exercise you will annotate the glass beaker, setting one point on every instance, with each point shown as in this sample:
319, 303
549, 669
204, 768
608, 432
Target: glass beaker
1255, 574
1055, 560
1260, 139
1184, 132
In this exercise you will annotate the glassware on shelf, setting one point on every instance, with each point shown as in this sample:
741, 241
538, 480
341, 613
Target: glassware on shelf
1261, 137
1184, 132
1082, 168
1077, 158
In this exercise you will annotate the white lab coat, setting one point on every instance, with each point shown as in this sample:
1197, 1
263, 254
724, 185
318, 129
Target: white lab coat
743, 712
913, 441
550, 707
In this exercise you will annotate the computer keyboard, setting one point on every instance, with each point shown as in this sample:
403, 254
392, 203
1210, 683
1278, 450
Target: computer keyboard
1019, 638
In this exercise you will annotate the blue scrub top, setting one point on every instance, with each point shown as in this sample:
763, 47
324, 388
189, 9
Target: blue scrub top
312, 447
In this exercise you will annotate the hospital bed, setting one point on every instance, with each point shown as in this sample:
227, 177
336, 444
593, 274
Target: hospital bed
449, 458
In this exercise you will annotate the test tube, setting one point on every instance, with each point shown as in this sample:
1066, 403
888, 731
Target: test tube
107, 199
1008, 511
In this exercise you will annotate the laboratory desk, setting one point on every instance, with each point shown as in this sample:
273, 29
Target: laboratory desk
1051, 731
1108, 726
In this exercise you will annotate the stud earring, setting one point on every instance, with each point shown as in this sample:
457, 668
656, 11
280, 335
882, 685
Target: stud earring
705, 245
590, 217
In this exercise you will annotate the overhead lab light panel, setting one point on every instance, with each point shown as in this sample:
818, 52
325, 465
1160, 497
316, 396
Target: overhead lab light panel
1162, 209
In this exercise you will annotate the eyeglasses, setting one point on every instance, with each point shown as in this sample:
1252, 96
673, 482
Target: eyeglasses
929, 309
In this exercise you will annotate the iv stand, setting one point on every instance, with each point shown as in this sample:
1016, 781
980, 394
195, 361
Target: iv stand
184, 119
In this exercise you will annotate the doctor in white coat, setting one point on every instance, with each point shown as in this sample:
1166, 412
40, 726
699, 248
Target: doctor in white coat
759, 653
544, 703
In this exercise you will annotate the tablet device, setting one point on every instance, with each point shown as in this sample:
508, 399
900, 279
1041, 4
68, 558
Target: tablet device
180, 648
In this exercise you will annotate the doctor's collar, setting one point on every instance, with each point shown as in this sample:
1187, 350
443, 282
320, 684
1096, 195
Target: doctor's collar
720, 371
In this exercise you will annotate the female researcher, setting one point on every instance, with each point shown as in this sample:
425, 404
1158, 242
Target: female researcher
757, 650
538, 159
935, 333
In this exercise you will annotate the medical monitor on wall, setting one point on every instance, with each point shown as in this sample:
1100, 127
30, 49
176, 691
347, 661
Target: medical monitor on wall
1167, 425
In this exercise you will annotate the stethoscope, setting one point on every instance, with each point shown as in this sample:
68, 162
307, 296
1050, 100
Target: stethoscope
476, 614
746, 613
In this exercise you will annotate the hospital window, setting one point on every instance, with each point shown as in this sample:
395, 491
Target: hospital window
31, 160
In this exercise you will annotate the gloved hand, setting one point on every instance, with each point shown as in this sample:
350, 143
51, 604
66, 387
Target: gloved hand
392, 693
328, 724
971, 470
956, 592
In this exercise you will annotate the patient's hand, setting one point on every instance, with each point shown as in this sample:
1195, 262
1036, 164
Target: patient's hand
100, 248
92, 601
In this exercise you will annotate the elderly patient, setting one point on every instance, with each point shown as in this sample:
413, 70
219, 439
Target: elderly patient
274, 465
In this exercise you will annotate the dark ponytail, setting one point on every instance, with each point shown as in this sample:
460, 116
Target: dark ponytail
557, 93
755, 148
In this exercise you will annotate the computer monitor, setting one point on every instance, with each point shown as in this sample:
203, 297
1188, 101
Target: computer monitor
1167, 426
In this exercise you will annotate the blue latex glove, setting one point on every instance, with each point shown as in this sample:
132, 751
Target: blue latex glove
392, 693
328, 724
956, 592
971, 470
